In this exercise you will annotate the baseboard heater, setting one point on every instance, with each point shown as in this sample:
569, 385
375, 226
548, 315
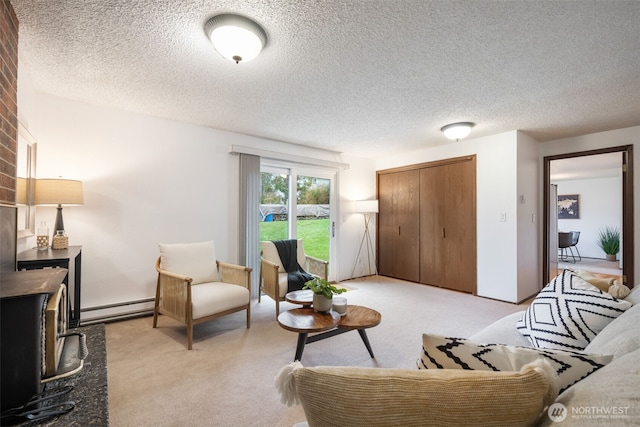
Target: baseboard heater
119, 315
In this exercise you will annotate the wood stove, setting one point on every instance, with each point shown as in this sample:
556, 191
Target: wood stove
34, 334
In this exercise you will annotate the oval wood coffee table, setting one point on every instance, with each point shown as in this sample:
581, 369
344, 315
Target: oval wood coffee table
305, 321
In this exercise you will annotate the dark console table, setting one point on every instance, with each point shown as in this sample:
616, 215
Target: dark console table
33, 259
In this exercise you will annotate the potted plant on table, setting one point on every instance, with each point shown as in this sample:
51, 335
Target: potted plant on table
609, 242
323, 293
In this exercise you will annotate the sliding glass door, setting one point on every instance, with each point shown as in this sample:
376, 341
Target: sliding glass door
313, 219
297, 203
274, 203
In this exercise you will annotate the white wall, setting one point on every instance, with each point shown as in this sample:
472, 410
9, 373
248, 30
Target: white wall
509, 253
496, 193
356, 183
529, 215
600, 206
613, 138
148, 181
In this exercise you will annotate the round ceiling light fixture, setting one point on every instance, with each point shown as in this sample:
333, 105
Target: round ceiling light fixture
458, 130
235, 37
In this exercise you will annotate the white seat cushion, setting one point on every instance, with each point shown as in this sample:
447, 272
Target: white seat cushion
195, 260
215, 297
283, 284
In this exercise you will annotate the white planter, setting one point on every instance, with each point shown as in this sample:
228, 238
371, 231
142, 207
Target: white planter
321, 303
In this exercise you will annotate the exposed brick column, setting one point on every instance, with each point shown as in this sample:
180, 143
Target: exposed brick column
8, 102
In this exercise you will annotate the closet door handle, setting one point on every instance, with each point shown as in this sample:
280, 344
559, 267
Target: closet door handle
398, 230
443, 233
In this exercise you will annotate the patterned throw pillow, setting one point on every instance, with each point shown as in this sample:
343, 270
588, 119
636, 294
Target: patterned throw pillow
568, 313
456, 353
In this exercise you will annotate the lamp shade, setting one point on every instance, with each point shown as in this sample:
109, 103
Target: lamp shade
235, 37
21, 191
457, 131
366, 206
59, 192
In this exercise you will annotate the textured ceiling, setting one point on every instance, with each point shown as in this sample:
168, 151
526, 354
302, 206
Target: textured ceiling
365, 77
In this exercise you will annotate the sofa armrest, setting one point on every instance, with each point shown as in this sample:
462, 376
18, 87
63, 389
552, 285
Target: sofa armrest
173, 294
269, 281
611, 393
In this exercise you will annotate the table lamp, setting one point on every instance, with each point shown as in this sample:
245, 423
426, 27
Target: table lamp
59, 192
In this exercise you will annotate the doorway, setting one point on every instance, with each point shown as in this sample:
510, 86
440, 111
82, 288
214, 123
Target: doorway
297, 203
627, 231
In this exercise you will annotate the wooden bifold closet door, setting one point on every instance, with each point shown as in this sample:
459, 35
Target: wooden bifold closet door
427, 223
398, 226
448, 225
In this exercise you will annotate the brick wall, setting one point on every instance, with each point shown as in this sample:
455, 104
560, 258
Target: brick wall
8, 102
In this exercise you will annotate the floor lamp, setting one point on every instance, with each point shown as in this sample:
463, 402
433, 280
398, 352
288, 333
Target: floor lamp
366, 208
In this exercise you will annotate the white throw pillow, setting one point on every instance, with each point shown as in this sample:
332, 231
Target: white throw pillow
440, 352
195, 260
568, 313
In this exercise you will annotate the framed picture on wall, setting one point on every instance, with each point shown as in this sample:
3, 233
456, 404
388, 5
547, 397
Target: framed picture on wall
568, 206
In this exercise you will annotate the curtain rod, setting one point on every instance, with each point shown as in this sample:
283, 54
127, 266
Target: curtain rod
239, 149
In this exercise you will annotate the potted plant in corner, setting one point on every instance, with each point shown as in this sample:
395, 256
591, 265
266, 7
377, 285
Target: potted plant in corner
323, 293
609, 242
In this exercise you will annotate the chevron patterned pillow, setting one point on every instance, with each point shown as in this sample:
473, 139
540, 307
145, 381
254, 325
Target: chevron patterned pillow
440, 352
568, 313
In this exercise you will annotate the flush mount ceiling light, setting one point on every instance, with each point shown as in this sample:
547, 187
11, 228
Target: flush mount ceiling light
235, 37
458, 130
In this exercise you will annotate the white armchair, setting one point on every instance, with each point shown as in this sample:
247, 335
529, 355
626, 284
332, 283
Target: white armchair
193, 287
273, 277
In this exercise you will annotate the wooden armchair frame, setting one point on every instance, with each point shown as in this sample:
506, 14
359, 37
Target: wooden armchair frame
269, 279
173, 295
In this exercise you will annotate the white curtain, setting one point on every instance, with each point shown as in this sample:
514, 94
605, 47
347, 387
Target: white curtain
249, 209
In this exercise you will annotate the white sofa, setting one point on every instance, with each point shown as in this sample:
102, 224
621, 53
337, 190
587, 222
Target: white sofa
611, 395
384, 397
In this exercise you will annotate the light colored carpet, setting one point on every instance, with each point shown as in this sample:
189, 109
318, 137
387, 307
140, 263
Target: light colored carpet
228, 377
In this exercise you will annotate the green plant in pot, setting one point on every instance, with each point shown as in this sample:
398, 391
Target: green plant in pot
323, 293
609, 242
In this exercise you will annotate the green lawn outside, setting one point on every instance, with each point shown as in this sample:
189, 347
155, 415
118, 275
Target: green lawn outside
314, 233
